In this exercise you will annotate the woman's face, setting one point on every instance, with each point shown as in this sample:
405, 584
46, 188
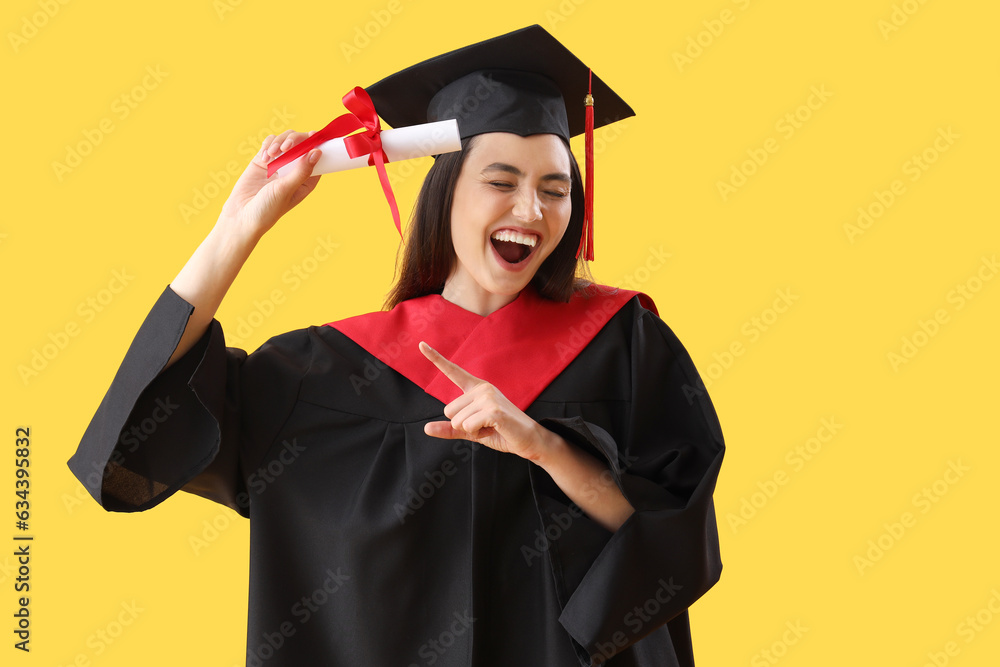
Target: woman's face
510, 209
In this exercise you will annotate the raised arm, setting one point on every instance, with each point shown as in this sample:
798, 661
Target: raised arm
254, 206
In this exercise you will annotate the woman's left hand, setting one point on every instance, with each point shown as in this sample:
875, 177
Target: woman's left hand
483, 414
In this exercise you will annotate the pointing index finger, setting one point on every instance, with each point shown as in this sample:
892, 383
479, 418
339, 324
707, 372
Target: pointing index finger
461, 377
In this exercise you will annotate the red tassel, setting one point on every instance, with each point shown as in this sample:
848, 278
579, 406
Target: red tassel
587, 237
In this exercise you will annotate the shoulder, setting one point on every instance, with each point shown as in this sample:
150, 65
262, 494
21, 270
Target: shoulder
302, 350
622, 308
318, 351
599, 297
634, 322
302, 345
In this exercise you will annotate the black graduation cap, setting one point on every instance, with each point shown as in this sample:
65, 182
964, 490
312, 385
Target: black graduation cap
524, 82
520, 82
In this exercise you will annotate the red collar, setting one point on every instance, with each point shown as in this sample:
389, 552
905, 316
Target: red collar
519, 348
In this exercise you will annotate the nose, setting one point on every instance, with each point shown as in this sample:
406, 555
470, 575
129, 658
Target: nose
527, 207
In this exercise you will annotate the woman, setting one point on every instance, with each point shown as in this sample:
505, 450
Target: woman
569, 520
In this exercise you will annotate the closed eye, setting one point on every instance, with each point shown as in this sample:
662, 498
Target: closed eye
558, 194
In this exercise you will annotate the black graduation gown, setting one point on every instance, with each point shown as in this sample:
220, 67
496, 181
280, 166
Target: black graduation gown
373, 544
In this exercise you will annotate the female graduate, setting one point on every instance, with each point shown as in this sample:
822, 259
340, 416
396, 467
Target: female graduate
508, 467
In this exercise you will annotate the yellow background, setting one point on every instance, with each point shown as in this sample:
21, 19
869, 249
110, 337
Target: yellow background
229, 70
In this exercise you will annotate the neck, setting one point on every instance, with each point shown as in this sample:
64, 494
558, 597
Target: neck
474, 298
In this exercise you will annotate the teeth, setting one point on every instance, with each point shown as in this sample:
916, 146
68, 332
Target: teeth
509, 235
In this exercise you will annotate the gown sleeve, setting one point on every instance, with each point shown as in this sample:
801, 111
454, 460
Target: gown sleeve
198, 426
666, 554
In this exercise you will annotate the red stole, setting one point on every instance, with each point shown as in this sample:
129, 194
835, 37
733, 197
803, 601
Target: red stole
519, 348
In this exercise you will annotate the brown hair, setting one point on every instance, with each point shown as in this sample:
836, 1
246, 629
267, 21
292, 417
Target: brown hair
428, 253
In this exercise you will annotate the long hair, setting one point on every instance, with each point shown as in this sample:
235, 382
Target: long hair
428, 254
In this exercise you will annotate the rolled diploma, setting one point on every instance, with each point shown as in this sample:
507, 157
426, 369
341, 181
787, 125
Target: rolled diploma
401, 143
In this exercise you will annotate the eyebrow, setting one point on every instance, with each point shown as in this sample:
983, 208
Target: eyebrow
511, 169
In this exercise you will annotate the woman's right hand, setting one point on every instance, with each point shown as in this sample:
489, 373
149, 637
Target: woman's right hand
253, 207
257, 201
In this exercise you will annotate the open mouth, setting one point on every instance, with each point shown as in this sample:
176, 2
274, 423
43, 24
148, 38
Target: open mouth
512, 246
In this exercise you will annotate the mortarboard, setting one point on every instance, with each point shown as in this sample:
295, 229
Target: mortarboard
521, 82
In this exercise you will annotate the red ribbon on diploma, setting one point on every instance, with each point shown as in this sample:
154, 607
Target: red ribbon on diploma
369, 143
